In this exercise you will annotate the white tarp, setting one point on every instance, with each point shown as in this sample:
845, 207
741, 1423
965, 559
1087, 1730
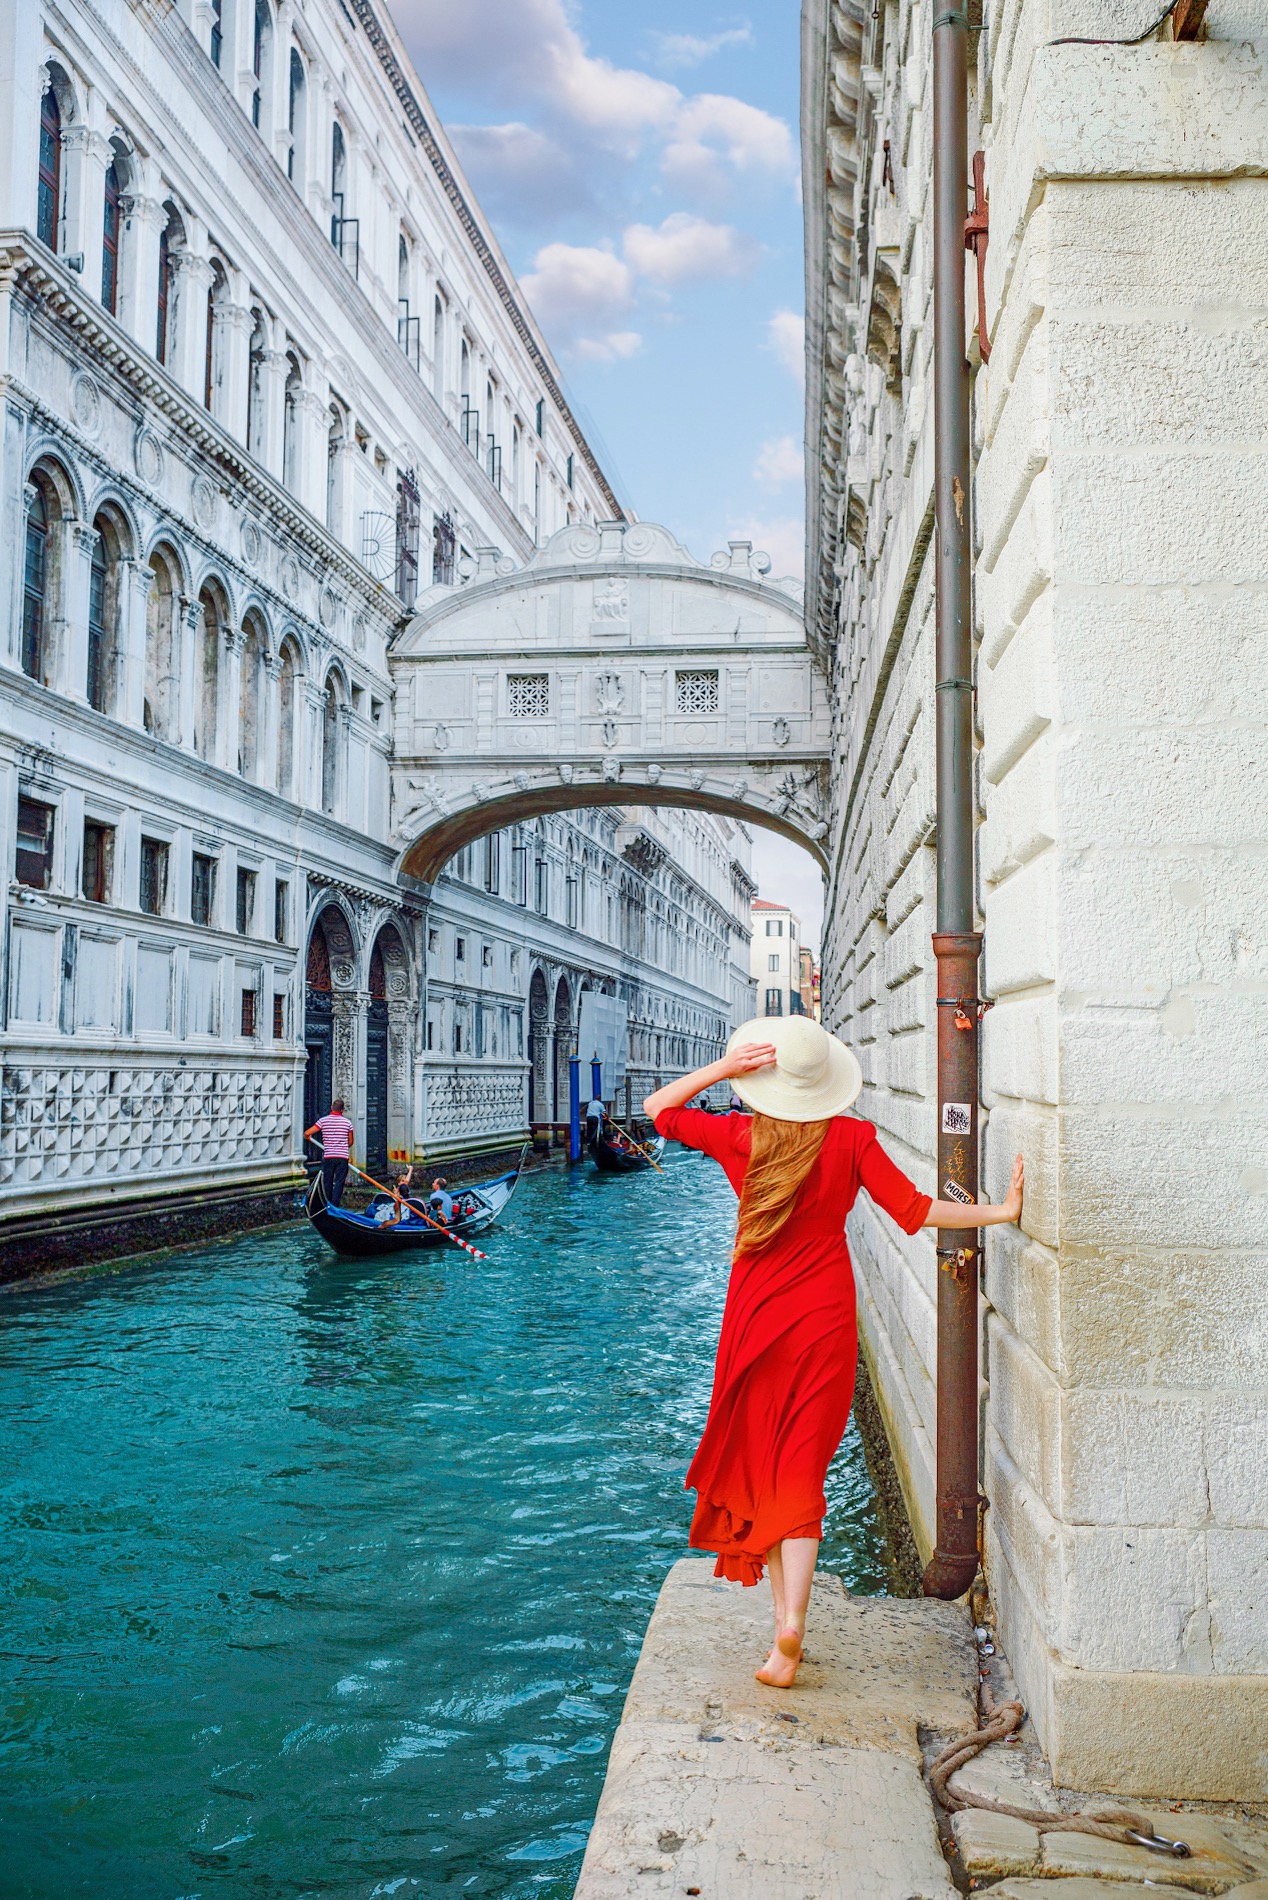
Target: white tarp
602, 1035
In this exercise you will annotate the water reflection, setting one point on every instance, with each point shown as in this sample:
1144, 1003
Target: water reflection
328, 1578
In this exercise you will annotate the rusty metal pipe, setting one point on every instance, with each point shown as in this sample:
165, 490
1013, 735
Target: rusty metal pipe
956, 944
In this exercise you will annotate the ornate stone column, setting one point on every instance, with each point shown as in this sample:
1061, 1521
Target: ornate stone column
138, 279
234, 324
70, 664
187, 319
268, 732
229, 699
313, 422
86, 155
400, 1067
272, 401
351, 1008
308, 754
135, 578
187, 625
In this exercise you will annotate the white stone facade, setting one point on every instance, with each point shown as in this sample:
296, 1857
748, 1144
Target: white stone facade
265, 376
1121, 582
776, 959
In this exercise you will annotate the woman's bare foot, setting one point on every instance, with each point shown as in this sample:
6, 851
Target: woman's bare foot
779, 1671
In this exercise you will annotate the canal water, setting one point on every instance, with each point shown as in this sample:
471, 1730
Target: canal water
327, 1579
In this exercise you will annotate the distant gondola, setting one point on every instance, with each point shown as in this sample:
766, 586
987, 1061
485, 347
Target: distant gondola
614, 1154
361, 1235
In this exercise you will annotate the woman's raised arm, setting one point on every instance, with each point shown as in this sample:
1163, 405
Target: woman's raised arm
981, 1213
740, 1061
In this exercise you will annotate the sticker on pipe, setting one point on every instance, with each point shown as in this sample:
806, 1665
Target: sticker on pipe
954, 1192
957, 1118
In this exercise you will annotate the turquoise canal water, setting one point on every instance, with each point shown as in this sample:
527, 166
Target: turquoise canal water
328, 1579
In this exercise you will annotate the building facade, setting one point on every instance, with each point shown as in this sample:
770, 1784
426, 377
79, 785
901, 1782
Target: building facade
1120, 574
776, 959
265, 374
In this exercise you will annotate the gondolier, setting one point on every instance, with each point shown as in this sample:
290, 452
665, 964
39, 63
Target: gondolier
337, 1137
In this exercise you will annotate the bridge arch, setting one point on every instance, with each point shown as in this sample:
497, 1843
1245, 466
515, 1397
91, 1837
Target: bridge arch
612, 669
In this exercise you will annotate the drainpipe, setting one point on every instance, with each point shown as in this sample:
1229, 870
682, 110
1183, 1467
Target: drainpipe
956, 944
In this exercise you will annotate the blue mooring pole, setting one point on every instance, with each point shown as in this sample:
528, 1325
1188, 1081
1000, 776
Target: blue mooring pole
574, 1108
596, 1080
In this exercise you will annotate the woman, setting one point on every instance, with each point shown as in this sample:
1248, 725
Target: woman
784, 1376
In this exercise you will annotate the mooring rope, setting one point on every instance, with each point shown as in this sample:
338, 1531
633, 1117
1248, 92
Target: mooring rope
996, 1722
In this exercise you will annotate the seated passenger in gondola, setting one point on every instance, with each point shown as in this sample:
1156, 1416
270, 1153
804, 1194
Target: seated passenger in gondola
440, 1203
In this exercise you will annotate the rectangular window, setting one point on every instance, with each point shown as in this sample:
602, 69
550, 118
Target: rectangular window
153, 876
772, 961
460, 949
528, 695
431, 1033
457, 1039
696, 692
433, 943
519, 874
493, 861
570, 471
98, 862
245, 912
541, 414
541, 892
774, 1002
248, 1012
479, 1030
279, 1019
570, 902
281, 910
486, 957
202, 888
33, 859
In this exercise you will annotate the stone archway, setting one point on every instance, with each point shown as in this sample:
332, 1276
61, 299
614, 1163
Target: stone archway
330, 1015
389, 1048
539, 1089
612, 669
561, 1044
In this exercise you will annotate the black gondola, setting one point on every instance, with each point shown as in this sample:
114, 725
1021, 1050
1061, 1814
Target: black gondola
615, 1154
378, 1230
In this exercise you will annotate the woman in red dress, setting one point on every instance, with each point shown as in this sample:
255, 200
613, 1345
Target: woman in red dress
784, 1376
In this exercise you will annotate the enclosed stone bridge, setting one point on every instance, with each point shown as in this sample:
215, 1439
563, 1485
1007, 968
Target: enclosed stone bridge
612, 669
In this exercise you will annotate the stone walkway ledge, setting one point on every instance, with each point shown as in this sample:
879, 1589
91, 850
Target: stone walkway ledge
720, 1787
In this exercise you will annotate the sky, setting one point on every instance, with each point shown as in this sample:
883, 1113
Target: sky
640, 168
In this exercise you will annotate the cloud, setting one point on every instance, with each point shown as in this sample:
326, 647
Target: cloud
713, 132
786, 336
683, 247
575, 286
519, 171
616, 345
784, 539
528, 52
684, 49
779, 461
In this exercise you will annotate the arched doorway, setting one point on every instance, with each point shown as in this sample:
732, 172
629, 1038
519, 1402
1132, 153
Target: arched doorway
319, 1028
376, 1067
562, 1042
538, 1049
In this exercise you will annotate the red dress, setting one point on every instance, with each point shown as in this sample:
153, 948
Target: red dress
784, 1376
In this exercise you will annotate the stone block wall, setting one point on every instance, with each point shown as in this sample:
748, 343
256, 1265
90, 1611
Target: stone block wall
1121, 587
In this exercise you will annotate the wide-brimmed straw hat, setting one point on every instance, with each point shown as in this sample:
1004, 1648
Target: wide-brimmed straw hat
812, 1077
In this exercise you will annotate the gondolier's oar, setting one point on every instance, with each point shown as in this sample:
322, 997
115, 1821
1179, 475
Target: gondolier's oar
646, 1153
418, 1214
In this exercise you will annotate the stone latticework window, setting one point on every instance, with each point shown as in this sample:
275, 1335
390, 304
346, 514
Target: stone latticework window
696, 692
528, 695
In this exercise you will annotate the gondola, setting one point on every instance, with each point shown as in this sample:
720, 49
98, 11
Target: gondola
612, 1156
361, 1236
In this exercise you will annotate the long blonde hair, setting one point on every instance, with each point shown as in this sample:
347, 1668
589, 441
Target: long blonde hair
782, 1156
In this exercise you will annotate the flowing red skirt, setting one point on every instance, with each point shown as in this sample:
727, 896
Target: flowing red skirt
782, 1389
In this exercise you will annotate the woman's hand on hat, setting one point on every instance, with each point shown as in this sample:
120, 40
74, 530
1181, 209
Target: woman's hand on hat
748, 1056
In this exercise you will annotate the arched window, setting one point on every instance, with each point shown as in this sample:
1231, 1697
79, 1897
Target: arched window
290, 423
287, 698
335, 443
105, 580
249, 704
209, 346
261, 49
217, 32
255, 388
295, 120
35, 580
161, 647
338, 184
329, 747
110, 239
207, 699
438, 349
164, 290
49, 202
